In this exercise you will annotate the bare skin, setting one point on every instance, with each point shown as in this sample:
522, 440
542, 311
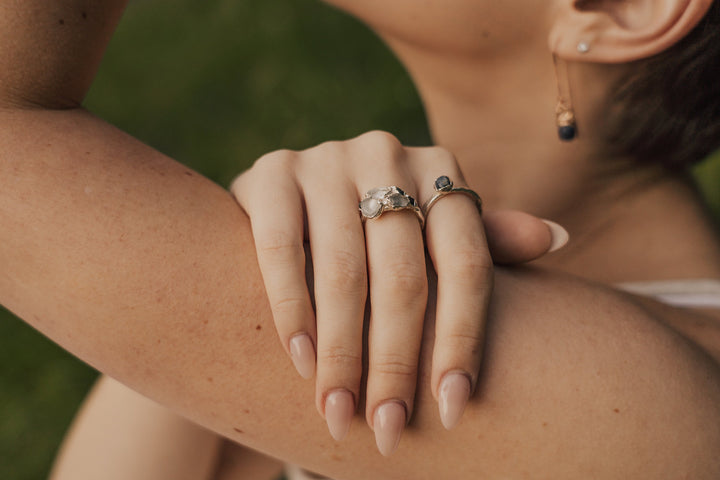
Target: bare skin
147, 271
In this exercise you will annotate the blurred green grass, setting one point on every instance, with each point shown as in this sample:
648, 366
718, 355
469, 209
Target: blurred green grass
215, 85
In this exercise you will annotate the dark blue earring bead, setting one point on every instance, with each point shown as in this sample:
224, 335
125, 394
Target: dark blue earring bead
567, 133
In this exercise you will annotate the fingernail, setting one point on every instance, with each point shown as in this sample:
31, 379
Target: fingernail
558, 234
454, 395
339, 411
388, 424
303, 355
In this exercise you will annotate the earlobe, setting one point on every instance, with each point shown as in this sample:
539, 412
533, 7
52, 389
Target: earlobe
621, 31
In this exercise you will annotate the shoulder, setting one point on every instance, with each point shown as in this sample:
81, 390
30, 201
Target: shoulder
581, 381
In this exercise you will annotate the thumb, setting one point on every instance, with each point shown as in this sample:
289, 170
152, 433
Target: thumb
518, 237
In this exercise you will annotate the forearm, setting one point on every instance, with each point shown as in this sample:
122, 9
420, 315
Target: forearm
115, 251
139, 266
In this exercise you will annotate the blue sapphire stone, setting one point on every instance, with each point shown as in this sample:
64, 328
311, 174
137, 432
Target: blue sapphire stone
443, 183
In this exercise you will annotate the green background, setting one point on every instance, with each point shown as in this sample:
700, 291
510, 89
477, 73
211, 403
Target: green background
215, 84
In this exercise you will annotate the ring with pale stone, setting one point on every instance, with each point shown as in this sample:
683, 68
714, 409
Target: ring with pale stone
444, 186
388, 199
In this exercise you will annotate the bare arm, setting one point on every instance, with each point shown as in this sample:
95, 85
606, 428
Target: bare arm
147, 271
120, 435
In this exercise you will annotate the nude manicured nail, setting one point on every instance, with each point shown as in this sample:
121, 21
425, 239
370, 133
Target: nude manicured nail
388, 423
453, 396
559, 235
303, 355
339, 411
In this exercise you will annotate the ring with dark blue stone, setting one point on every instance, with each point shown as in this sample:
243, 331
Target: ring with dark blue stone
444, 186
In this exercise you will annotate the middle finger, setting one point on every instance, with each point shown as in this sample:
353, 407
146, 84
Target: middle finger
398, 297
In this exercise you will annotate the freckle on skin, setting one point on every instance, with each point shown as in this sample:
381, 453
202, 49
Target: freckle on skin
545, 424
259, 327
246, 410
84, 15
61, 22
616, 410
210, 379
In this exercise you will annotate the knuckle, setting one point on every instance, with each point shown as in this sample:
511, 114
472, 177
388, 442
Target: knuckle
328, 149
322, 165
280, 246
289, 307
276, 160
443, 154
463, 343
382, 141
470, 265
265, 171
346, 272
403, 279
340, 358
395, 365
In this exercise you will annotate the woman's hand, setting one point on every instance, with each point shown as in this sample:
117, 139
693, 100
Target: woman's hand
314, 194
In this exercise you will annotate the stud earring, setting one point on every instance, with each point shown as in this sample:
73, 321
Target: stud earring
564, 113
583, 47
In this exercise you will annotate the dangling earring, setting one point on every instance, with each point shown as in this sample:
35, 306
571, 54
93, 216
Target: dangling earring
564, 113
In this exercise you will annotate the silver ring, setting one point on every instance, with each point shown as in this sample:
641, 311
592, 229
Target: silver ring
444, 186
388, 199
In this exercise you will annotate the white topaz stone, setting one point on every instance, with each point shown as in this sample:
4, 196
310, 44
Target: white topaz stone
378, 193
370, 207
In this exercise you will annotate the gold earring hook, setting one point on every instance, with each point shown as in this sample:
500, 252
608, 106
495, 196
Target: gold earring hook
564, 113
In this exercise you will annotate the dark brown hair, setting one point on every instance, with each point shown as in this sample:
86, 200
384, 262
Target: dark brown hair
668, 108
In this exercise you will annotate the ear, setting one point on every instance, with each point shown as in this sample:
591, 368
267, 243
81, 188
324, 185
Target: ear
621, 31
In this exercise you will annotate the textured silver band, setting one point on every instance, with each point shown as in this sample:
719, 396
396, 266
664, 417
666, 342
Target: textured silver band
444, 186
388, 199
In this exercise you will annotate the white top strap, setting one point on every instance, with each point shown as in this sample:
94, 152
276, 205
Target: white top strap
696, 293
